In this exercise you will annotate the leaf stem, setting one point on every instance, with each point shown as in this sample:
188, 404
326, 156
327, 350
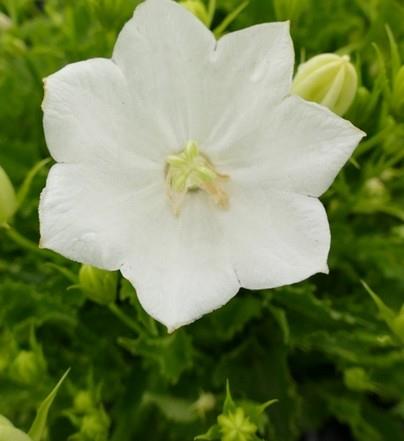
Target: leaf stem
211, 11
119, 314
26, 185
219, 30
25, 243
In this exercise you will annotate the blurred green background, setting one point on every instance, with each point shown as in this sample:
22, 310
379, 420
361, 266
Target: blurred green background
332, 354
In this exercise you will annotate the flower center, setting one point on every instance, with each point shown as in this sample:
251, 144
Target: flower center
190, 171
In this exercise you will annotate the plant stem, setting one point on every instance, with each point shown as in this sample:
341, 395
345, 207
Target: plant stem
211, 11
26, 243
219, 30
118, 313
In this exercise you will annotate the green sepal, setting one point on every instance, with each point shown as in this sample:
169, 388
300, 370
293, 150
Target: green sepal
229, 405
212, 434
385, 312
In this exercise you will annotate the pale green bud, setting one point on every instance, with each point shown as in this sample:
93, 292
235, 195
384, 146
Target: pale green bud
357, 379
98, 285
398, 93
95, 426
5, 22
9, 433
205, 403
28, 367
83, 402
8, 200
375, 189
236, 426
5, 422
198, 8
13, 434
327, 79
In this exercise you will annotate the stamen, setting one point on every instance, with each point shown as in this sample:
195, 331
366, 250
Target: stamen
191, 171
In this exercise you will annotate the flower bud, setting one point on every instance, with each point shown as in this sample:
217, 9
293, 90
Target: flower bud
398, 93
375, 192
8, 200
205, 403
98, 285
83, 402
5, 22
236, 426
28, 367
5, 422
95, 426
327, 79
198, 9
9, 433
357, 379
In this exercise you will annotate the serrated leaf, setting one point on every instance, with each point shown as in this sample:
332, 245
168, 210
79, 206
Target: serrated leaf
171, 354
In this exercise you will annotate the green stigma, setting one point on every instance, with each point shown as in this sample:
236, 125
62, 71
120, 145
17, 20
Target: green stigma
190, 171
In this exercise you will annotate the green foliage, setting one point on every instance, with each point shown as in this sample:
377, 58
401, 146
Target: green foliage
330, 352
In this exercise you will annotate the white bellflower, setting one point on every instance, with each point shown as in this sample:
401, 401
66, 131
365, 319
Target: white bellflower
185, 163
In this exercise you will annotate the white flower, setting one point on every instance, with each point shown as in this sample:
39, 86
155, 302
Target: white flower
185, 163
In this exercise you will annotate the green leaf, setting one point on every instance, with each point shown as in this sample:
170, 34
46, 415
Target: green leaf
212, 434
385, 312
38, 426
395, 58
172, 354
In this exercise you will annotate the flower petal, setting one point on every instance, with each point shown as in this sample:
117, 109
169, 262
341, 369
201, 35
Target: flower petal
198, 88
90, 115
163, 51
181, 270
274, 238
250, 71
299, 147
88, 214
123, 220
